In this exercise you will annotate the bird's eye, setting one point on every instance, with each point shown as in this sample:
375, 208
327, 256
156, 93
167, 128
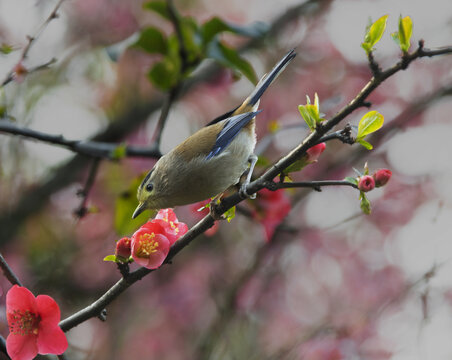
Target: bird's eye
149, 187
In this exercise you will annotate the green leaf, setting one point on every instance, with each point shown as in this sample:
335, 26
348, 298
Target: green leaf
152, 41
307, 117
164, 74
366, 144
126, 204
263, 161
311, 112
351, 180
111, 258
403, 36
365, 203
296, 166
6, 49
192, 40
369, 123
119, 151
374, 33
230, 214
405, 32
217, 25
230, 57
158, 7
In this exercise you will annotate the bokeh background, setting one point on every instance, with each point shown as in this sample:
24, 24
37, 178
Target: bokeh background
296, 274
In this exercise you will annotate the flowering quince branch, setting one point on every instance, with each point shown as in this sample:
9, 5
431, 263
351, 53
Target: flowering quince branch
207, 222
31, 40
9, 273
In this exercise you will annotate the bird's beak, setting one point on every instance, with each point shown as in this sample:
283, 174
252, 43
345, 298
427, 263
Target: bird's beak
140, 208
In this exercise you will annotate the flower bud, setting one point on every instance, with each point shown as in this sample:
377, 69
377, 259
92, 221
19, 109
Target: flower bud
366, 183
381, 177
123, 247
314, 152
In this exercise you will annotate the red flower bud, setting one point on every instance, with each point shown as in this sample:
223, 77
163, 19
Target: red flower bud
314, 152
366, 183
381, 177
123, 248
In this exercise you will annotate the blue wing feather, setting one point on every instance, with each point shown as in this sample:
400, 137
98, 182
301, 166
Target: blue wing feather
230, 130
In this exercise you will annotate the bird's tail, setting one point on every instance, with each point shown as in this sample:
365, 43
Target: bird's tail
264, 83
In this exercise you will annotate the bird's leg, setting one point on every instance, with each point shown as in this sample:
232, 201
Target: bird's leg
252, 160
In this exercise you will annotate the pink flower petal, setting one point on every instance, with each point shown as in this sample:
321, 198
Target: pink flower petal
20, 298
48, 310
21, 347
51, 339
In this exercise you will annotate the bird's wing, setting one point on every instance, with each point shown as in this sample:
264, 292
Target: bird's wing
230, 130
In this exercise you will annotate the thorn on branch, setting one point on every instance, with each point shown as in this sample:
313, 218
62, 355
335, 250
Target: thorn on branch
367, 104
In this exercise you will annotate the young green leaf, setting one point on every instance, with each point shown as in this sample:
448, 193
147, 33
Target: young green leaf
5, 49
159, 7
310, 112
366, 144
351, 180
152, 41
374, 33
295, 166
403, 36
365, 203
110, 258
307, 117
230, 214
369, 123
119, 152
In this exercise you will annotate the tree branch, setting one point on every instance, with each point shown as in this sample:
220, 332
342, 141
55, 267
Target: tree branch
9, 273
89, 148
84, 193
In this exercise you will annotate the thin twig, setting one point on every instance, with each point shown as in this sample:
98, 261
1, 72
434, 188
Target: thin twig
9, 273
89, 148
175, 19
316, 185
30, 41
84, 193
172, 95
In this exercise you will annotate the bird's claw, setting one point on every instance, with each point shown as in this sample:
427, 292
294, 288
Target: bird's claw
244, 194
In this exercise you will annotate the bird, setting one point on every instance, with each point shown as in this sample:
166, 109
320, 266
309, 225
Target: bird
210, 161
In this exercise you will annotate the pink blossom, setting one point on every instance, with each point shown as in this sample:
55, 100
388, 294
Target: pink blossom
366, 183
174, 229
150, 246
33, 325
